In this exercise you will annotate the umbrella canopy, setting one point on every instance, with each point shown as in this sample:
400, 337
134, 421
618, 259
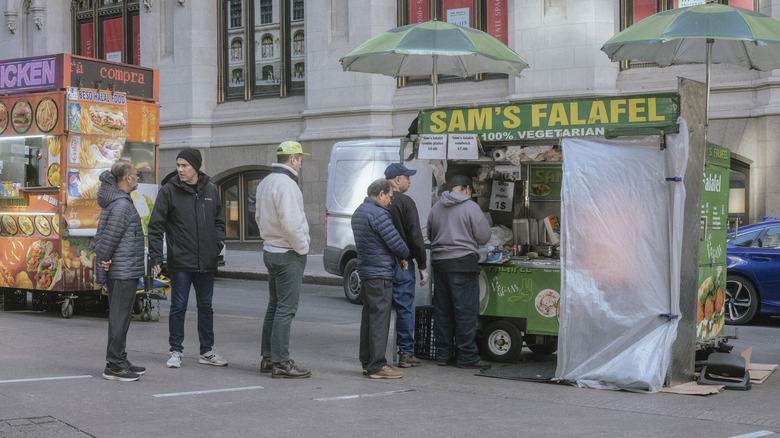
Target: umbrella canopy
679, 36
433, 48
708, 33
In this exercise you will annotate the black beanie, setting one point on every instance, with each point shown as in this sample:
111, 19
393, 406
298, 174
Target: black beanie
192, 156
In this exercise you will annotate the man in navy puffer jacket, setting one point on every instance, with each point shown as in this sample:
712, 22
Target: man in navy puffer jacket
119, 248
378, 247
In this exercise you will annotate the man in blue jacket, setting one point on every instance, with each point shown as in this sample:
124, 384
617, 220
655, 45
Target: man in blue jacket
379, 247
188, 212
119, 248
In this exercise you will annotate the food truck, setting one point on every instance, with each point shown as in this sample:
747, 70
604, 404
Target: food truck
64, 119
513, 153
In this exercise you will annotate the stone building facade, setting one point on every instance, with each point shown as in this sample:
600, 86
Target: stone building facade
289, 50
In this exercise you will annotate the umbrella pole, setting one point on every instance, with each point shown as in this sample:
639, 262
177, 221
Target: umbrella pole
710, 42
435, 79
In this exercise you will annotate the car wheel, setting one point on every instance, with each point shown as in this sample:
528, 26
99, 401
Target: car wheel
741, 300
352, 282
502, 341
545, 345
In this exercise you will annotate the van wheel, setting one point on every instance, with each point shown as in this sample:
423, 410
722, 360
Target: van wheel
352, 282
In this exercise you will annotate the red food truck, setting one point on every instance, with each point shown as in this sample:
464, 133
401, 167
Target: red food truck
64, 119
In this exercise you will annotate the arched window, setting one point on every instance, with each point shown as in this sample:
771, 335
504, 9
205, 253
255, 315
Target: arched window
298, 43
268, 46
236, 50
237, 194
237, 77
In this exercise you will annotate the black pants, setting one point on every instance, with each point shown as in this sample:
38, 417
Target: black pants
377, 297
121, 296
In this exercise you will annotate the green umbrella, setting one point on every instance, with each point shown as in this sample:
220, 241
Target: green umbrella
433, 48
708, 33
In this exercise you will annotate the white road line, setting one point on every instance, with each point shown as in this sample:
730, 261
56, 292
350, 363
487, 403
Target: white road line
348, 397
754, 434
210, 391
45, 378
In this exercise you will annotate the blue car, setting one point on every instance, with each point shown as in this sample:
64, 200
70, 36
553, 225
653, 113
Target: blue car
753, 267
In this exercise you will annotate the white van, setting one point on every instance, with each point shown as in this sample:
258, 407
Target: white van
353, 166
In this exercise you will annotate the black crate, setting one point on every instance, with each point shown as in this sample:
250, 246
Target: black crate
13, 300
424, 342
45, 302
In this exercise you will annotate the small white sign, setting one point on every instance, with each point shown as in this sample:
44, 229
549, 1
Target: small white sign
458, 16
686, 3
432, 147
462, 147
502, 195
114, 56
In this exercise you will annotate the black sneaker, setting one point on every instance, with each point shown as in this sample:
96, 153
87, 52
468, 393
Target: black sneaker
136, 369
121, 374
478, 365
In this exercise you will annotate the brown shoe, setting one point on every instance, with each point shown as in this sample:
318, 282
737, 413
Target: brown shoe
289, 370
387, 372
406, 361
265, 365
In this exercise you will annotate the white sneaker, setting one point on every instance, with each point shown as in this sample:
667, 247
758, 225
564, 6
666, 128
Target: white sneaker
175, 360
212, 358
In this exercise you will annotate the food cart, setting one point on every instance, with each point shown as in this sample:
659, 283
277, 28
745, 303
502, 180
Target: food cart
64, 119
514, 155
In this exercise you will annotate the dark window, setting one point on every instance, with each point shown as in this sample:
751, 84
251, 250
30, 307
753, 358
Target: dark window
235, 13
107, 30
266, 11
745, 240
297, 9
238, 200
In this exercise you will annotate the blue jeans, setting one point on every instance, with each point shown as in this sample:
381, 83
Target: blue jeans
403, 303
455, 311
180, 295
285, 275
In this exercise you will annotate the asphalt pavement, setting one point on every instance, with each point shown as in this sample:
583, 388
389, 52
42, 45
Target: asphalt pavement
51, 385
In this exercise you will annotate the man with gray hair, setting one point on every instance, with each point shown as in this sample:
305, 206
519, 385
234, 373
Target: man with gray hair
119, 249
379, 247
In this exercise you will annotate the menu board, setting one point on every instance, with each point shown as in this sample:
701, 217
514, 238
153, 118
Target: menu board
31, 114
545, 183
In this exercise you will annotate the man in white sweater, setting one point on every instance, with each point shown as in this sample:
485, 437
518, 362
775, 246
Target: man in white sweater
285, 232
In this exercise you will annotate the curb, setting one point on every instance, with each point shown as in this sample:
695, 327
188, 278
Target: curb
263, 276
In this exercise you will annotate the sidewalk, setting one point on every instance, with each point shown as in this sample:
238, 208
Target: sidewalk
249, 265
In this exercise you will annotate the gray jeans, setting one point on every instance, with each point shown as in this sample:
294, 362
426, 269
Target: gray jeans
121, 296
377, 297
285, 274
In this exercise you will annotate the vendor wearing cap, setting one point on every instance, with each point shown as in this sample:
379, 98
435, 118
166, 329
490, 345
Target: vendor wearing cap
193, 247
456, 229
406, 220
285, 233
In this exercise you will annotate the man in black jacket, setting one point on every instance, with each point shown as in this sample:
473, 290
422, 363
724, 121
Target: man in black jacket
406, 220
119, 248
189, 213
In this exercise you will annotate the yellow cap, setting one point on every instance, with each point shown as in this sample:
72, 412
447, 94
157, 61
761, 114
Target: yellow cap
290, 148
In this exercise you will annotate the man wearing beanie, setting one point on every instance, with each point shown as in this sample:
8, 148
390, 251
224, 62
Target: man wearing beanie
189, 213
285, 232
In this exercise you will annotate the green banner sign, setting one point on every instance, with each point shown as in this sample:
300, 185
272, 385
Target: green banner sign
602, 117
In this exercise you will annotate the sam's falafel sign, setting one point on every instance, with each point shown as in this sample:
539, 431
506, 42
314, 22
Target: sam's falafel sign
601, 117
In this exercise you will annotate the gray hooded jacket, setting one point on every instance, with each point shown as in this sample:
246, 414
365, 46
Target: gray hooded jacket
456, 227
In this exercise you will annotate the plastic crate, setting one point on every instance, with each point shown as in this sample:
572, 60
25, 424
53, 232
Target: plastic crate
15, 300
424, 342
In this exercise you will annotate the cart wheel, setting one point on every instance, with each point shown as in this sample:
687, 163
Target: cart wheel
502, 341
146, 315
67, 308
138, 305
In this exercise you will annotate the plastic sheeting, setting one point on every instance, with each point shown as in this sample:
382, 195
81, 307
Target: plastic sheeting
621, 238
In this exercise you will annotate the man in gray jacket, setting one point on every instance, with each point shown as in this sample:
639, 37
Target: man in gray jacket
119, 248
456, 228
